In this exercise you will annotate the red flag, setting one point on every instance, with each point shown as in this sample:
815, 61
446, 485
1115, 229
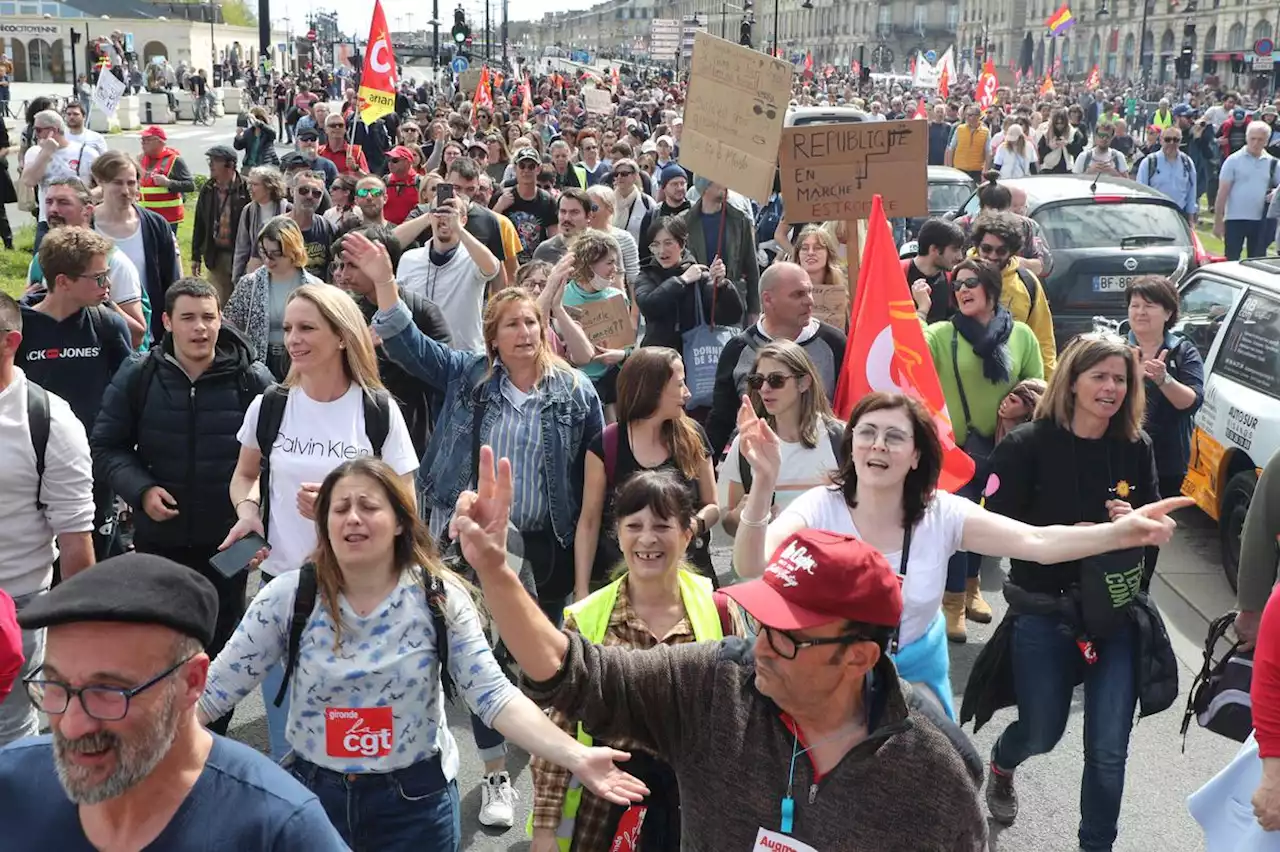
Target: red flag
483, 97
912, 69
617, 83
987, 85
857, 68
378, 79
1017, 77
920, 111
808, 62
1095, 79
527, 105
1046, 88
887, 350
944, 82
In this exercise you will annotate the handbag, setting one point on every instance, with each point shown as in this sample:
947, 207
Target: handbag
1109, 584
978, 446
1220, 699
702, 346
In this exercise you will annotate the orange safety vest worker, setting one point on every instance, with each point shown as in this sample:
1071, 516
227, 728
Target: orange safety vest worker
159, 198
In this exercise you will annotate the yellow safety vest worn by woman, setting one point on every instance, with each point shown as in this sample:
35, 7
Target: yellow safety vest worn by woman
592, 616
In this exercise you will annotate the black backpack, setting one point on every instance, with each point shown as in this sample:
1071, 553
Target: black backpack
304, 603
377, 425
1219, 696
835, 433
39, 420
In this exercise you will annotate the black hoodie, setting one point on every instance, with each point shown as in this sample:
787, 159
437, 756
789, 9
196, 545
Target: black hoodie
157, 427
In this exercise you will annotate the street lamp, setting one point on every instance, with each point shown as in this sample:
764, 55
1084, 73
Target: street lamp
1143, 60
213, 51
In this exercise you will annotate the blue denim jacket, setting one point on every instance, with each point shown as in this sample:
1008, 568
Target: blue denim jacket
571, 419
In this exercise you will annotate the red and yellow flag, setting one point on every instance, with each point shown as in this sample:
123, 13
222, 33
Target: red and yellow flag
378, 79
920, 111
887, 350
526, 105
1046, 88
1095, 79
483, 95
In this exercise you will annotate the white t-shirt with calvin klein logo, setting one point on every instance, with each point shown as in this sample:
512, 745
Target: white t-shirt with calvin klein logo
314, 438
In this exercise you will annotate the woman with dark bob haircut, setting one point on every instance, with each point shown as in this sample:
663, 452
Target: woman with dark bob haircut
1173, 372
885, 494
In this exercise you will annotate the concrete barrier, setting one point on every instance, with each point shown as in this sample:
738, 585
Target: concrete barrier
154, 109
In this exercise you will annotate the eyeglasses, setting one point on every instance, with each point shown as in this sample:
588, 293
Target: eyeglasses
104, 703
271, 254
335, 127
1171, 139
787, 646
988, 250
368, 191
755, 381
971, 283
102, 279
625, 173
535, 283
869, 436
528, 165
658, 247
810, 248
308, 192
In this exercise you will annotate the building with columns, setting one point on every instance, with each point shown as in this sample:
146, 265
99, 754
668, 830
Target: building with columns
1108, 33
36, 35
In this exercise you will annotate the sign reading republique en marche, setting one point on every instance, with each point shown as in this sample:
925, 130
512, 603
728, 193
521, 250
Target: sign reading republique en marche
733, 115
831, 171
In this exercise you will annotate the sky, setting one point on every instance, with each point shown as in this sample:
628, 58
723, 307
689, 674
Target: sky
354, 15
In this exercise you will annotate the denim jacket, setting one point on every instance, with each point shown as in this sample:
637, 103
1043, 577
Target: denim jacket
571, 419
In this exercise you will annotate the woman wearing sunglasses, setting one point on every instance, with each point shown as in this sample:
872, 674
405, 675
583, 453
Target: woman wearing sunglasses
256, 306
342, 196
633, 208
653, 432
981, 353
785, 390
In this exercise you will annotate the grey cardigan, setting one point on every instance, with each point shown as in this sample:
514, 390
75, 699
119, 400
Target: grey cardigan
248, 307
251, 222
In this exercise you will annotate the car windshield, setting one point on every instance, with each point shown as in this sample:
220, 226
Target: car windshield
1088, 226
945, 197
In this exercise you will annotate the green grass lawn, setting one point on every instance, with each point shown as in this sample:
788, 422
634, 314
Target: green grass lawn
13, 264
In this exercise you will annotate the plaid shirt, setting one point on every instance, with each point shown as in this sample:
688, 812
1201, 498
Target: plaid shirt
593, 830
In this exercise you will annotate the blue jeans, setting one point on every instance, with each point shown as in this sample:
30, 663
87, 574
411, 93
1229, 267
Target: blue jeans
1047, 664
408, 810
1246, 235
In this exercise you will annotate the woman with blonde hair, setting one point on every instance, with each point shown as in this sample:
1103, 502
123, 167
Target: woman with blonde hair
818, 253
257, 304
269, 198
331, 399
395, 632
600, 216
653, 432
786, 391
528, 404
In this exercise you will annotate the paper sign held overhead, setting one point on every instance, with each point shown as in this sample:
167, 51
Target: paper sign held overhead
831, 171
598, 101
733, 115
107, 94
469, 80
607, 322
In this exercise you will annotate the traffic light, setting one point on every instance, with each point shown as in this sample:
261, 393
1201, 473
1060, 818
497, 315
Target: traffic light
1182, 64
461, 32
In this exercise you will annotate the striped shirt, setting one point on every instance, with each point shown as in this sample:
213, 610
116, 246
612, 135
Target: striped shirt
517, 435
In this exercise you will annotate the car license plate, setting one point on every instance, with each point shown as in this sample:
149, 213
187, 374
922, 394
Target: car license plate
1111, 283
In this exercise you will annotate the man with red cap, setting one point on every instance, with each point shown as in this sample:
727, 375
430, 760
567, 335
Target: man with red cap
165, 177
805, 741
402, 185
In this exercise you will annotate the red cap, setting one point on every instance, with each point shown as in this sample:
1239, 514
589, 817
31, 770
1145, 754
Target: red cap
402, 153
157, 132
817, 577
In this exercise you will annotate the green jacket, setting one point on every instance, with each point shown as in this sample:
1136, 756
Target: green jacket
984, 396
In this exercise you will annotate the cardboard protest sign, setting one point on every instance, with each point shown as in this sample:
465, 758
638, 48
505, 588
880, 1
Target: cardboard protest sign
831, 304
831, 171
469, 80
607, 322
733, 115
598, 101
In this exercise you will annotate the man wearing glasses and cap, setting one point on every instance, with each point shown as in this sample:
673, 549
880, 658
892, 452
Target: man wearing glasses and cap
126, 764
806, 740
218, 207
530, 208
1171, 172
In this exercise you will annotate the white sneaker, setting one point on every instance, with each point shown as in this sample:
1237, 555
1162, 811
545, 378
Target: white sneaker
497, 800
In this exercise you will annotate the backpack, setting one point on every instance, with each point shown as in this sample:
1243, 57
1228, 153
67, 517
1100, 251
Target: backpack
1219, 695
1088, 158
835, 434
1033, 289
1154, 168
39, 420
304, 603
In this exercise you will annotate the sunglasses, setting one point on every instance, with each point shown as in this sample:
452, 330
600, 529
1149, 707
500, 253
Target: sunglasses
308, 192
988, 250
272, 254
102, 279
777, 381
370, 191
528, 165
971, 283
1171, 139
625, 173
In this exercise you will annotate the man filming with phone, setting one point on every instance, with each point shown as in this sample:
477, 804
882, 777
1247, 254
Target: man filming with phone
165, 439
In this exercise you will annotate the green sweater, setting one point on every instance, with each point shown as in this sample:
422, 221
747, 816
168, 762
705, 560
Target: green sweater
984, 397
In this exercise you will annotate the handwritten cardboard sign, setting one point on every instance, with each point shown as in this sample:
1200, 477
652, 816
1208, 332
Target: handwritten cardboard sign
831, 304
607, 322
598, 101
733, 115
468, 81
831, 171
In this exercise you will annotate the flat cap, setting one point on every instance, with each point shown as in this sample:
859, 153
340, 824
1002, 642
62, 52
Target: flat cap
222, 152
133, 588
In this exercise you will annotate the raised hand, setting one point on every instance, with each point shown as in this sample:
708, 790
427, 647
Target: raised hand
758, 443
1151, 526
481, 516
369, 257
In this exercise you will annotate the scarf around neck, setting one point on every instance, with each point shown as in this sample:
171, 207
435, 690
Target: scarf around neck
989, 342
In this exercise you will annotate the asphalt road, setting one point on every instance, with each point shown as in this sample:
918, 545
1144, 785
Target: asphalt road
1189, 588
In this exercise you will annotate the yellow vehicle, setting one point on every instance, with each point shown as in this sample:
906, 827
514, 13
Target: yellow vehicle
1231, 313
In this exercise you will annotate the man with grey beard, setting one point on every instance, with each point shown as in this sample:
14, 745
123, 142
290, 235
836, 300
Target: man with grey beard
127, 766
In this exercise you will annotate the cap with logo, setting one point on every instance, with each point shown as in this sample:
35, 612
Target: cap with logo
817, 577
157, 132
528, 154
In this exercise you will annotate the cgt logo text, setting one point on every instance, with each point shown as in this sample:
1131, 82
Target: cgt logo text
68, 352
358, 732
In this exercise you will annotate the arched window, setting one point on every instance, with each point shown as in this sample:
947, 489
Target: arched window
1235, 37
152, 50
1211, 40
39, 61
1262, 29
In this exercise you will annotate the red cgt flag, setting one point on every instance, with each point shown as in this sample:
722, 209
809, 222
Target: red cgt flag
920, 110
944, 82
1095, 79
887, 350
378, 79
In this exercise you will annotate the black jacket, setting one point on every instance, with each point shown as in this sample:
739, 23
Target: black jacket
418, 401
179, 435
668, 305
203, 249
162, 264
